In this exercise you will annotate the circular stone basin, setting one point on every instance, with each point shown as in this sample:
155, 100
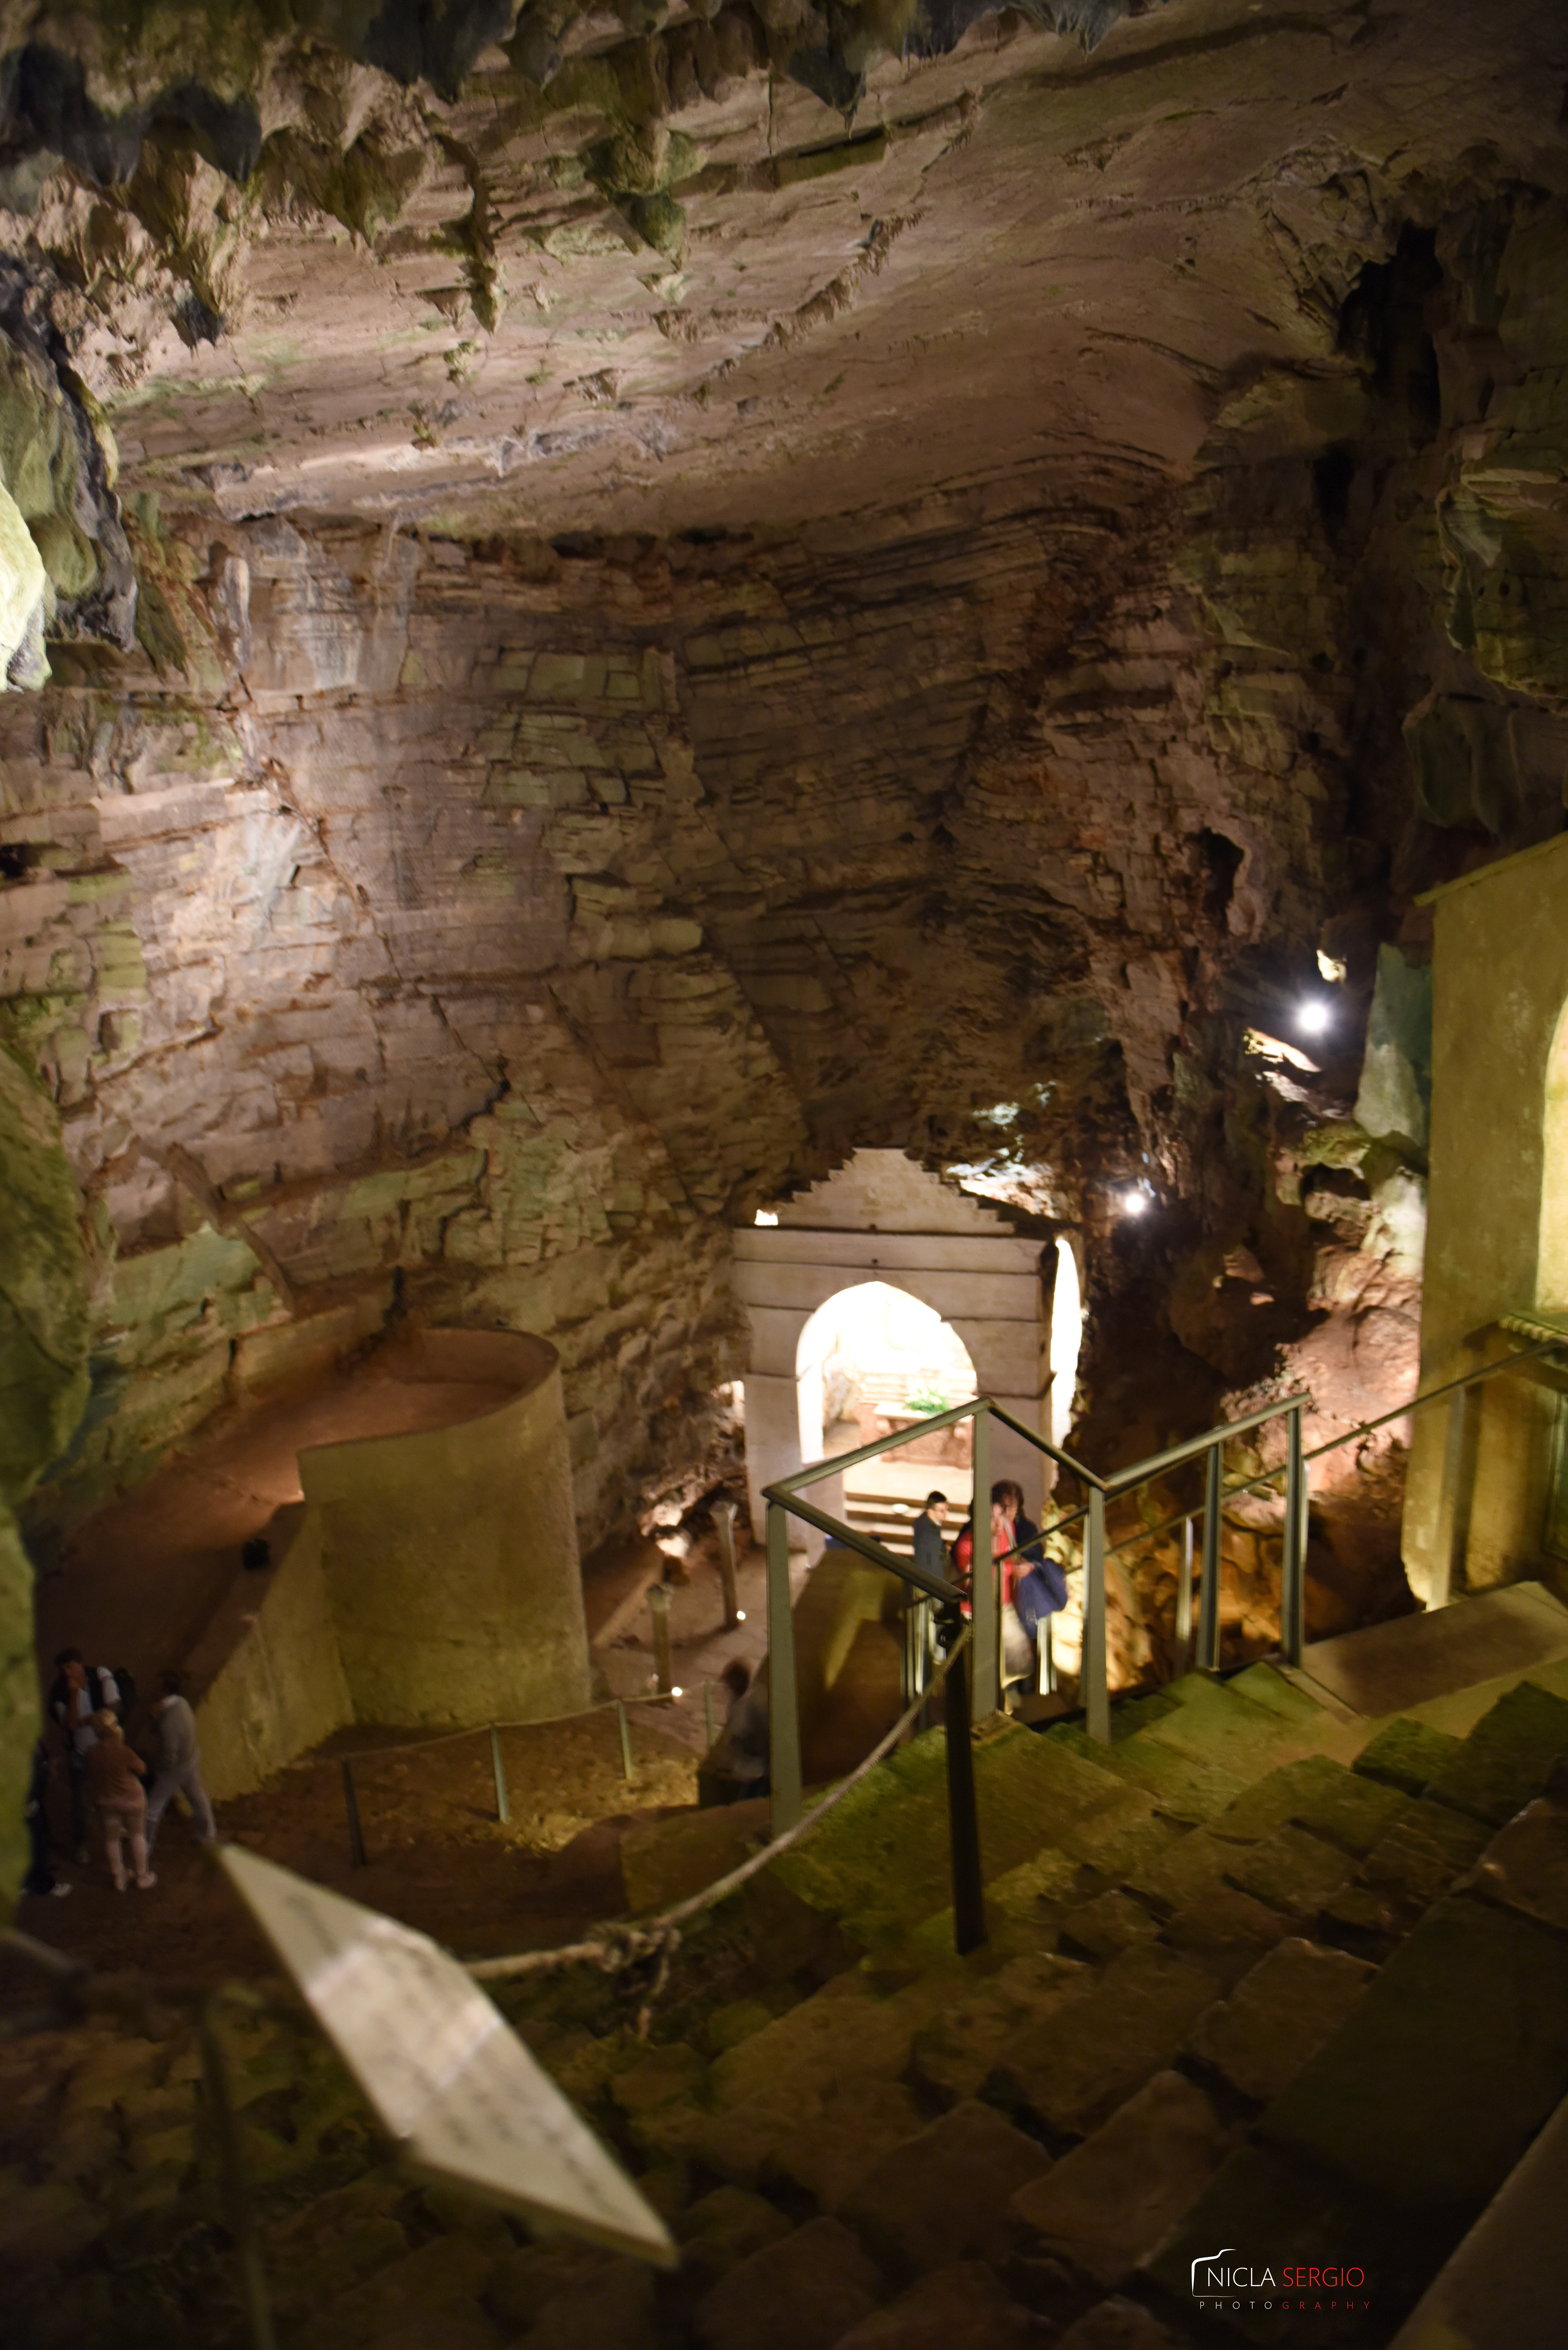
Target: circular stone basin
143, 1578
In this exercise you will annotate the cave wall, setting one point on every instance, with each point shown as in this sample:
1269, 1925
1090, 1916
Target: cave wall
45, 1331
480, 924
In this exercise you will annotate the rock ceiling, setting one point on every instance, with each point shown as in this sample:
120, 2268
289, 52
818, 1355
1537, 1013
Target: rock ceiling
684, 592
727, 269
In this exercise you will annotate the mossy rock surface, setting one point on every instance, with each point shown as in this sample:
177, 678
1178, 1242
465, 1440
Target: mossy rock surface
1508, 1757
1407, 1755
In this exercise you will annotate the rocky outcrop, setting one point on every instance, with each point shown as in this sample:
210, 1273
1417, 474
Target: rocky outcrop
44, 1330
65, 564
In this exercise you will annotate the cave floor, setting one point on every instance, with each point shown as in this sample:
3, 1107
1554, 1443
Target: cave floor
437, 1857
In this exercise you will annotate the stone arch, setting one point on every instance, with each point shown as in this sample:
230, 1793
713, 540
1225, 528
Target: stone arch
985, 1271
876, 1324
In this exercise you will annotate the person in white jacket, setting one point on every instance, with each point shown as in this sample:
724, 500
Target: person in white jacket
179, 1761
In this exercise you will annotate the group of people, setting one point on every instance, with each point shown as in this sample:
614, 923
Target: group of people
1033, 1584
108, 1778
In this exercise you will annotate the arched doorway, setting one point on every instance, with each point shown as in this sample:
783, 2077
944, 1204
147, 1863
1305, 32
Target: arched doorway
873, 1361
880, 1218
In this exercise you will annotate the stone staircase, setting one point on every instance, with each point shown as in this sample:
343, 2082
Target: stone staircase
1260, 1977
889, 1518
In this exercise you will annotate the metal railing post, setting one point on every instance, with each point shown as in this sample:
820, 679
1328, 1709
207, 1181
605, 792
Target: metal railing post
1452, 1546
503, 1801
986, 1645
1096, 1688
1184, 1601
1208, 1601
784, 1708
663, 1665
724, 1517
1293, 1566
963, 1815
351, 1806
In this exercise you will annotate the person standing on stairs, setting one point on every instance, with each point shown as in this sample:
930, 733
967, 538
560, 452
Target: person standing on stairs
40, 1877
930, 1550
1033, 1586
80, 1693
178, 1762
115, 1772
746, 1734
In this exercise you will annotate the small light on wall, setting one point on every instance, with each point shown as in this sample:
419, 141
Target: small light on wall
766, 1216
676, 1692
740, 1615
1135, 1202
1315, 1015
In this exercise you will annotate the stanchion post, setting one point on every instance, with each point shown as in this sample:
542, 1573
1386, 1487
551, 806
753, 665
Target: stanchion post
725, 1519
1452, 1546
985, 1648
964, 1816
708, 1713
503, 1802
1097, 1684
1184, 1601
351, 1805
663, 1665
1209, 1604
239, 2207
625, 1742
1293, 1566
783, 1715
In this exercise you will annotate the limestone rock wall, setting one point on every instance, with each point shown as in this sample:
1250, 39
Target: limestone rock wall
486, 924
44, 1330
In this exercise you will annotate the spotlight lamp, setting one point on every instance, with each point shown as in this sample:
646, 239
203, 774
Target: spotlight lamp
1136, 1202
1314, 1015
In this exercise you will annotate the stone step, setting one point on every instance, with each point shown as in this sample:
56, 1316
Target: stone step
1507, 1757
1389, 2140
882, 1858
1506, 2287
1156, 1975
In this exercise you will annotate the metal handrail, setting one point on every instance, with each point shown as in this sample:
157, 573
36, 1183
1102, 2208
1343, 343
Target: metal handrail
784, 1499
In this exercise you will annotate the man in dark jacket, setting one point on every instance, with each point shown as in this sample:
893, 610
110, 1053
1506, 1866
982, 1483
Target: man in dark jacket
931, 1551
40, 1877
78, 1692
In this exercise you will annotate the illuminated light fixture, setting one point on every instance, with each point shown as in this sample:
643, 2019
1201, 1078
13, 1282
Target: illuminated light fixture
766, 1216
1314, 1015
740, 1615
1136, 1203
676, 1692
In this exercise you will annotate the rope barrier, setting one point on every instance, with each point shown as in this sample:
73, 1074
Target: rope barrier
614, 1946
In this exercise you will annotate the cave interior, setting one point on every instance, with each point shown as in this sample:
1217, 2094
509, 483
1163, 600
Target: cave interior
664, 660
